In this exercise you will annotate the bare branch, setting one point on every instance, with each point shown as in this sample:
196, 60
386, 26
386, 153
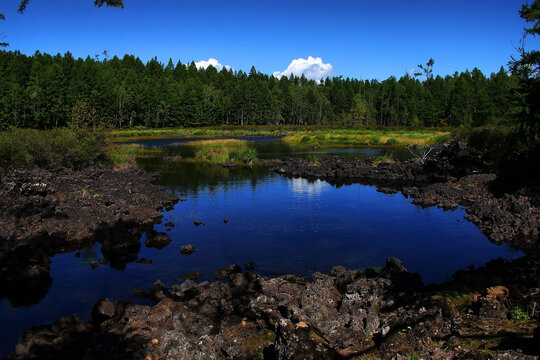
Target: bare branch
422, 156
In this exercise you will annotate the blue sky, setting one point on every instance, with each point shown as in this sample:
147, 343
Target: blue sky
361, 39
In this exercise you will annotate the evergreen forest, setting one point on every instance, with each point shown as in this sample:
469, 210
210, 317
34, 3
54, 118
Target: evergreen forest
41, 91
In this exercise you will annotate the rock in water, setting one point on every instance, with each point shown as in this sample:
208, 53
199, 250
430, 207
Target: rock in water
224, 273
187, 249
102, 311
190, 276
157, 240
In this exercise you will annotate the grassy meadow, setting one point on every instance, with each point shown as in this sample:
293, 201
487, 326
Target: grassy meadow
50, 149
302, 136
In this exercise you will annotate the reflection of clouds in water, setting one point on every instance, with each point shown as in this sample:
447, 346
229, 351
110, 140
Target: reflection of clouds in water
311, 188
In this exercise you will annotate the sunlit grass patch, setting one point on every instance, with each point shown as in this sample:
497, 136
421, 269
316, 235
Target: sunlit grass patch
124, 155
224, 151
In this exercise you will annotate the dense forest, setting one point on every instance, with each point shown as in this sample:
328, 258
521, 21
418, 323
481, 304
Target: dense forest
40, 91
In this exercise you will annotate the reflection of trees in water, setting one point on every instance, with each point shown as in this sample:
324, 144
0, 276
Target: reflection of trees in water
25, 275
187, 177
89, 252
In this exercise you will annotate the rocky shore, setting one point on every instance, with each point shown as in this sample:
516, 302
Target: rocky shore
456, 176
490, 312
44, 213
345, 314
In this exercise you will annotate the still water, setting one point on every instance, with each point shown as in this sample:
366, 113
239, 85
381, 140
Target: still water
282, 225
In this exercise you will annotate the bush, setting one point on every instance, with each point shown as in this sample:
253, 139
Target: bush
374, 140
392, 141
47, 149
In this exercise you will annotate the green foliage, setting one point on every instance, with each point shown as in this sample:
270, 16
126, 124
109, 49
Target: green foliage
244, 156
225, 152
527, 69
313, 160
519, 314
27, 149
388, 158
392, 141
39, 91
440, 139
119, 156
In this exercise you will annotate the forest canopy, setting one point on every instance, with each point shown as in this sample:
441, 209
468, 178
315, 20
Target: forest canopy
40, 91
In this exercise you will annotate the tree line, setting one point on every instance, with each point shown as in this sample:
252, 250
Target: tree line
41, 91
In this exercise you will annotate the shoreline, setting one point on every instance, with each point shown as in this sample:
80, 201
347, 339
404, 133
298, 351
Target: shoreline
347, 314
343, 314
45, 213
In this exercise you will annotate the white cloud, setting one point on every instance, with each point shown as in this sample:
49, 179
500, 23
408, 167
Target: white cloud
203, 64
312, 68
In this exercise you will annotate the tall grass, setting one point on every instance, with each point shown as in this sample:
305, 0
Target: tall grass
124, 155
228, 151
316, 135
348, 137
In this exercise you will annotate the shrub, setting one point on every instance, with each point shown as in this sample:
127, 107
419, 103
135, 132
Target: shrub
48, 149
374, 140
392, 141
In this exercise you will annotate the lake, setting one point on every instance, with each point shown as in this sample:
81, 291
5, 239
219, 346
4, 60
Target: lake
282, 225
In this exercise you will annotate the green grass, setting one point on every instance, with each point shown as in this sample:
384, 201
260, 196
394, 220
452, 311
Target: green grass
384, 159
333, 138
124, 155
218, 151
300, 136
51, 149
224, 152
519, 314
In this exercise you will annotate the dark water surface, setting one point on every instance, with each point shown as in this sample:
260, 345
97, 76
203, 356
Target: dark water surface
281, 225
270, 148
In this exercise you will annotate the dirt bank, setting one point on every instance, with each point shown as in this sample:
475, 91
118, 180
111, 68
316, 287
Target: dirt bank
456, 176
44, 213
481, 314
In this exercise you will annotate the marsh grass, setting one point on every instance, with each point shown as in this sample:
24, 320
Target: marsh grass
360, 138
124, 155
301, 136
228, 151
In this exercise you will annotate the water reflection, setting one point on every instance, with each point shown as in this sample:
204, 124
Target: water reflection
270, 148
